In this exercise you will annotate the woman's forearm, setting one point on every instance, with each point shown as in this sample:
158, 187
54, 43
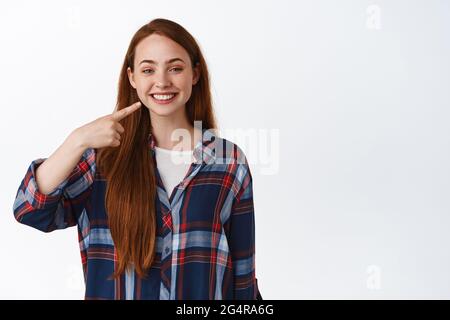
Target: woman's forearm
56, 168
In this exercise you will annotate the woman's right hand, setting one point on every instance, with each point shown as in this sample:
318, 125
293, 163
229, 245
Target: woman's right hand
104, 131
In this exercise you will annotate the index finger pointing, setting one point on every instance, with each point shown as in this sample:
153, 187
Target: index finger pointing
119, 115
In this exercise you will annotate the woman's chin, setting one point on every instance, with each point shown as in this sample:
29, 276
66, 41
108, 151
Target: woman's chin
163, 111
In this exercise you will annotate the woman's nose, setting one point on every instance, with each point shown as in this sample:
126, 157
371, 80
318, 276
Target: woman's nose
162, 80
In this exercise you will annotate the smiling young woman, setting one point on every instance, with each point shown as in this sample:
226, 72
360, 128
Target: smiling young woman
150, 227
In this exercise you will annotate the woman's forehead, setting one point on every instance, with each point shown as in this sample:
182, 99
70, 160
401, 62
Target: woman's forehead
160, 50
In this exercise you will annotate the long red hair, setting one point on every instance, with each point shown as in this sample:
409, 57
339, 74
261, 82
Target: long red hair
129, 169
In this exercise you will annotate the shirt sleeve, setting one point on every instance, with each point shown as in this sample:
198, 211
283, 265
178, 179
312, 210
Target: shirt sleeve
242, 240
62, 207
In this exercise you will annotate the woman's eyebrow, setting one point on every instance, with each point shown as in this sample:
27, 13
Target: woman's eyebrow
167, 62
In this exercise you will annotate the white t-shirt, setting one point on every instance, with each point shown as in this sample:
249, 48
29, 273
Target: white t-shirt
172, 166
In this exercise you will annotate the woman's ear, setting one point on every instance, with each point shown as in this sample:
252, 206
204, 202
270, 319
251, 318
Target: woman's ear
196, 74
131, 77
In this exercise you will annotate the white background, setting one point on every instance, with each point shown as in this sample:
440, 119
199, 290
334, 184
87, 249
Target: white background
358, 91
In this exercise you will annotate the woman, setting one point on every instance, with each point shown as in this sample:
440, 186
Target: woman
151, 227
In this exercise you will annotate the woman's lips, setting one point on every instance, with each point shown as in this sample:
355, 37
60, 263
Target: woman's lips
164, 101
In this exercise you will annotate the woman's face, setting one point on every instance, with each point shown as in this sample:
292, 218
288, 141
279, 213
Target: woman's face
162, 66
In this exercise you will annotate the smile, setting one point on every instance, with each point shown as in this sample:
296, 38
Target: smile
163, 99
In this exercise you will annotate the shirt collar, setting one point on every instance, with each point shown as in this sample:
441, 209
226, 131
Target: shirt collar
204, 150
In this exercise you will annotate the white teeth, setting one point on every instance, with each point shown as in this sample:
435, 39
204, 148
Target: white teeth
163, 97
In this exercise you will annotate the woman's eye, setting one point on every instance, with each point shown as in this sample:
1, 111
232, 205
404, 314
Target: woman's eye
147, 71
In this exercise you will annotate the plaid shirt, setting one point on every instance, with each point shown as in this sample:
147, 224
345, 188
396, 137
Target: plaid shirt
205, 242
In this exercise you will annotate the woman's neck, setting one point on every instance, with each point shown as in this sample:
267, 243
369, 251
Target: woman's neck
185, 136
